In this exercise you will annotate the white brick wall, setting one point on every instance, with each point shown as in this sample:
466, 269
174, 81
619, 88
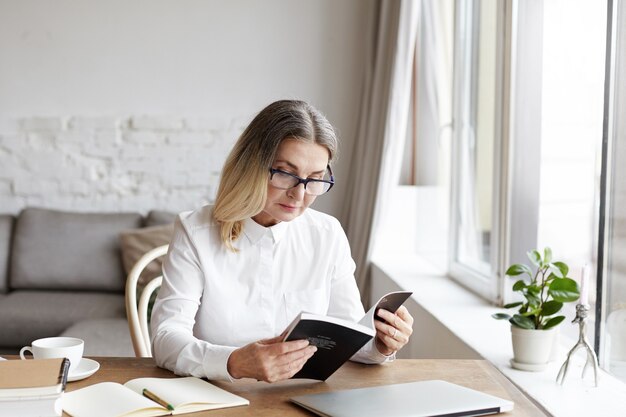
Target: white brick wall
100, 163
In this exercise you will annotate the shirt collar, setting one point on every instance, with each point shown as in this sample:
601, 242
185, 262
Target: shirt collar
255, 231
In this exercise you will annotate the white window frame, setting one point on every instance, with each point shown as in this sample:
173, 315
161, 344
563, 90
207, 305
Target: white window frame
518, 138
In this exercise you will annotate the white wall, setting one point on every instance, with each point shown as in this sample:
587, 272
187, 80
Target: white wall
79, 79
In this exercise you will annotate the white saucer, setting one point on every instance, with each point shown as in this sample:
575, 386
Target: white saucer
86, 368
528, 366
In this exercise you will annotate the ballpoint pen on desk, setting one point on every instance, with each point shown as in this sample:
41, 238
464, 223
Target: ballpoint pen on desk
155, 398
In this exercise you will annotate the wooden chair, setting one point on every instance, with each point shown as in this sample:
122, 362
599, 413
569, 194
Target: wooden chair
137, 314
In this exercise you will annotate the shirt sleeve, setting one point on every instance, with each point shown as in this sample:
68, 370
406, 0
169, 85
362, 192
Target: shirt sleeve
174, 345
345, 299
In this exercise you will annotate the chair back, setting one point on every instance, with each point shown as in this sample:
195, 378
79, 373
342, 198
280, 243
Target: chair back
137, 313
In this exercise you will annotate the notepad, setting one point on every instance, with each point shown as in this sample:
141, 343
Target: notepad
110, 399
416, 399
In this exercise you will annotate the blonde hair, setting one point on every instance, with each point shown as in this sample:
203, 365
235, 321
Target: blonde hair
243, 185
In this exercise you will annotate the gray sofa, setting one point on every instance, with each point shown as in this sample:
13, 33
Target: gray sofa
61, 273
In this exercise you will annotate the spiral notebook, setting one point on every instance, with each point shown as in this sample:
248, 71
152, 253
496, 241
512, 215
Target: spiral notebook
416, 399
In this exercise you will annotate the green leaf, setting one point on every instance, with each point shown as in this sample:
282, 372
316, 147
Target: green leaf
511, 305
564, 290
532, 298
519, 285
553, 322
532, 312
555, 270
533, 289
518, 269
523, 322
501, 316
535, 257
551, 307
547, 255
563, 268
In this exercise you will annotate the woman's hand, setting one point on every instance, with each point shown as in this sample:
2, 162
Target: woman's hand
394, 332
269, 360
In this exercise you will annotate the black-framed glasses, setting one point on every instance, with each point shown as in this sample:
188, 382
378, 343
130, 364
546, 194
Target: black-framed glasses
313, 186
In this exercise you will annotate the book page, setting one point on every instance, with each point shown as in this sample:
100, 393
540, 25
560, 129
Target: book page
187, 394
390, 302
109, 399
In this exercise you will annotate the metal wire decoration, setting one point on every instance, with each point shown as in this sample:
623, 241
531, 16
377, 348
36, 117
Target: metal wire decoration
581, 315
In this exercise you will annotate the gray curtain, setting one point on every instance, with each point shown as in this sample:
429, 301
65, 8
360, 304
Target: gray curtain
375, 165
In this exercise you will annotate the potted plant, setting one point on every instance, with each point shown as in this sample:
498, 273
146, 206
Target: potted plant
545, 288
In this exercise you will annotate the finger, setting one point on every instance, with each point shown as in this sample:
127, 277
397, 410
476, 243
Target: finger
271, 341
402, 321
276, 347
390, 336
386, 315
287, 347
385, 328
404, 314
292, 367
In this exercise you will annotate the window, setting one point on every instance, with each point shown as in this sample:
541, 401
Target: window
527, 163
612, 326
475, 197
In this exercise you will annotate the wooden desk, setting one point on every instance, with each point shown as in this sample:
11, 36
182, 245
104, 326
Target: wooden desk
273, 399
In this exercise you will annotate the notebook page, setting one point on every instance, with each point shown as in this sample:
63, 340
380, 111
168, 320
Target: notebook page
188, 390
109, 399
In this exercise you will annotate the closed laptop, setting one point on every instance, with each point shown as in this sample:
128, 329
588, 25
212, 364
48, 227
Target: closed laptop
416, 399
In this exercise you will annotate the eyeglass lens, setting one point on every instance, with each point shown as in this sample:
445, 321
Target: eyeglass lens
286, 181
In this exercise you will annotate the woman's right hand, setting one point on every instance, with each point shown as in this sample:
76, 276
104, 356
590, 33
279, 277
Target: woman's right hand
269, 360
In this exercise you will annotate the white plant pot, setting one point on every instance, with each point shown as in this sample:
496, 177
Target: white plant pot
531, 348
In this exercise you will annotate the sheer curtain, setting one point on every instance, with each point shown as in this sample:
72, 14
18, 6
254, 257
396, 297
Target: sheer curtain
376, 159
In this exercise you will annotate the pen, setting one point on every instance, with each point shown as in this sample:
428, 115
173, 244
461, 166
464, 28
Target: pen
154, 398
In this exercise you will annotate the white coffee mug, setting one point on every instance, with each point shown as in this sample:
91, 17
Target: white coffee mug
57, 347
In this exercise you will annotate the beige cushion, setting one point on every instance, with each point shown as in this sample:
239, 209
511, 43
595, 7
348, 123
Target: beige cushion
135, 243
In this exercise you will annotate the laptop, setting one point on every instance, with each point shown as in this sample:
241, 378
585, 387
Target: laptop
416, 399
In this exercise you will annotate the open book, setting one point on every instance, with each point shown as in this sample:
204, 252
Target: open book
170, 396
337, 340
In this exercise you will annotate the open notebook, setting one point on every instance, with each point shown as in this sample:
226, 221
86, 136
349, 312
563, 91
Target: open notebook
416, 399
182, 395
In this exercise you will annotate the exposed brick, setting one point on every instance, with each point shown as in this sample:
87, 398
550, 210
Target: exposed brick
190, 138
14, 142
156, 123
41, 140
93, 123
108, 138
205, 124
34, 186
42, 123
101, 151
143, 137
111, 164
75, 187
75, 137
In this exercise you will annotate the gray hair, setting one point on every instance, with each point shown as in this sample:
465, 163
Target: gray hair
243, 186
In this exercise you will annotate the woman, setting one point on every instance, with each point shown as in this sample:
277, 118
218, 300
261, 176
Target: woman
237, 273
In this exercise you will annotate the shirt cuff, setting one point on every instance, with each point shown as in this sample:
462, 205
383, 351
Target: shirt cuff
369, 354
215, 362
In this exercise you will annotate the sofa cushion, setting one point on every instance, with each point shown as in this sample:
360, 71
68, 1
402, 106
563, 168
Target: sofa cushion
29, 315
6, 228
159, 217
103, 337
136, 242
62, 250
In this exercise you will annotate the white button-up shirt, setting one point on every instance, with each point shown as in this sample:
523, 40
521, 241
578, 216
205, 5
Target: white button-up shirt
213, 300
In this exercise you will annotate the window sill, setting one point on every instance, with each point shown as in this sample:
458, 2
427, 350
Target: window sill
468, 318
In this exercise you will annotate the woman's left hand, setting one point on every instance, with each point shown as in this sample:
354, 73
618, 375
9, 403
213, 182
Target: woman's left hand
394, 332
